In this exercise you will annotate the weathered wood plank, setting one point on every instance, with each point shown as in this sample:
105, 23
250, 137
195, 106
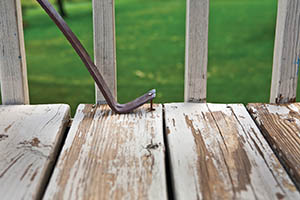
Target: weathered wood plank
105, 45
280, 125
30, 137
217, 152
13, 72
286, 52
111, 156
196, 46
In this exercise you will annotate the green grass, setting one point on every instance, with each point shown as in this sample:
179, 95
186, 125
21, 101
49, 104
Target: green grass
150, 52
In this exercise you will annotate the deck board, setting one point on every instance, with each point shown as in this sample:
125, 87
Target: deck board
111, 156
280, 125
217, 152
29, 141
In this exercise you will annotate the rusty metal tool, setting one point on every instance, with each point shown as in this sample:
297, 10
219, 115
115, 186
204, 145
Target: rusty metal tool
86, 59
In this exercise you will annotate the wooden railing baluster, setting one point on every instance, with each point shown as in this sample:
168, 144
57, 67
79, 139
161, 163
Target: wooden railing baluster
13, 72
104, 44
286, 52
197, 12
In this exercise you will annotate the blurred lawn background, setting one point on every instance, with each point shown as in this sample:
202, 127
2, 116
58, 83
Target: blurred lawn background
150, 51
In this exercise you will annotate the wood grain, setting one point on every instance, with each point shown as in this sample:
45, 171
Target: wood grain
111, 156
196, 48
280, 125
105, 45
30, 137
286, 59
13, 72
217, 152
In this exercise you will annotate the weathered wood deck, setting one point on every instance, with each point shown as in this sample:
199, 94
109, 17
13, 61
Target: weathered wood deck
178, 151
30, 137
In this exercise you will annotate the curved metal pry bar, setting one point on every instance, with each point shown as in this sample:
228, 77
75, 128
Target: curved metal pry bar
115, 106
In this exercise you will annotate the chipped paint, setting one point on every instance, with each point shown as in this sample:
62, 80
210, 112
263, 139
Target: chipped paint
280, 125
29, 150
112, 156
26, 171
3, 137
245, 165
8, 127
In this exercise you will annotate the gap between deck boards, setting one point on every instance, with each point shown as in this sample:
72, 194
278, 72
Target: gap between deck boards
168, 168
64, 137
168, 171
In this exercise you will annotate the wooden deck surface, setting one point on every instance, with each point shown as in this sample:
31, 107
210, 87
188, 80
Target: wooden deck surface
111, 156
280, 125
217, 152
178, 151
29, 139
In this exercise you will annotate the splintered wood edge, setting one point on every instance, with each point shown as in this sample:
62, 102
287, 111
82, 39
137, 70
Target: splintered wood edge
256, 148
98, 119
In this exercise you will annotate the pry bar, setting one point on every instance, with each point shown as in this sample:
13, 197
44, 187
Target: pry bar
86, 59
